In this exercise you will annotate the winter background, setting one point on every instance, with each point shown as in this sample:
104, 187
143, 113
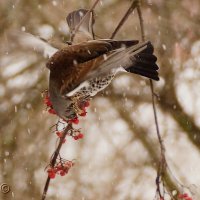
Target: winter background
117, 158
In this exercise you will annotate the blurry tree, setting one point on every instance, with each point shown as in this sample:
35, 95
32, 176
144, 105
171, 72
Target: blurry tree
117, 158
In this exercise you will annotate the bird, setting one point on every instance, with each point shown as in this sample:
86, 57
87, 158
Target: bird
86, 66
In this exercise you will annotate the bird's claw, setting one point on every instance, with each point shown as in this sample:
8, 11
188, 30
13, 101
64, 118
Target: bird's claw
75, 104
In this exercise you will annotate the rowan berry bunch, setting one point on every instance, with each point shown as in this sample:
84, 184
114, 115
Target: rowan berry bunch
83, 107
61, 168
75, 133
51, 110
48, 103
183, 196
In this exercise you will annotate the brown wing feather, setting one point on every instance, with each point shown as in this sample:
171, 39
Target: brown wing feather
78, 74
78, 53
69, 66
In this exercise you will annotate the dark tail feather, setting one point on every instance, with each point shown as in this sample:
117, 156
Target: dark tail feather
144, 64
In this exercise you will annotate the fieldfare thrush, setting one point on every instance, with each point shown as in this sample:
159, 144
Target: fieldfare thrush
86, 66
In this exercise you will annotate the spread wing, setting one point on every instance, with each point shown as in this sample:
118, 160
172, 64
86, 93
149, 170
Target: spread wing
70, 65
138, 58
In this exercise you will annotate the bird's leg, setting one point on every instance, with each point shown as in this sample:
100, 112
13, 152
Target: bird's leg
75, 104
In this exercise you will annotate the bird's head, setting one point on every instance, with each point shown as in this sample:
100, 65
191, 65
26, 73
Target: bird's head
85, 31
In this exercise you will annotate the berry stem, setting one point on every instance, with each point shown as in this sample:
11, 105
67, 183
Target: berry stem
54, 158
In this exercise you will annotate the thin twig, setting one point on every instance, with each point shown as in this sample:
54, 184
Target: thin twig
129, 11
152, 88
151, 82
141, 21
136, 3
78, 26
156, 118
162, 162
54, 158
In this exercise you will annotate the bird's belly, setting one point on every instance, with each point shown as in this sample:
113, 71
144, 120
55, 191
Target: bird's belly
92, 87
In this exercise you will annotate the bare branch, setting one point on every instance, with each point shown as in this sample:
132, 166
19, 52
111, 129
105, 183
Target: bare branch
129, 11
54, 158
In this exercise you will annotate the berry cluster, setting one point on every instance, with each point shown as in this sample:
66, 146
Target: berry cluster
184, 197
83, 106
60, 168
75, 120
76, 134
79, 136
49, 104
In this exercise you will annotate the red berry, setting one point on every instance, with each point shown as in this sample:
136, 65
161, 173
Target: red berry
185, 195
59, 134
180, 196
86, 104
59, 166
52, 111
52, 175
76, 137
80, 135
50, 170
62, 172
74, 121
56, 169
83, 114
47, 101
